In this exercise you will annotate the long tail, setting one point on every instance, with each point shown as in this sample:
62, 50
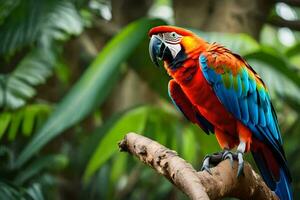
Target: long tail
274, 171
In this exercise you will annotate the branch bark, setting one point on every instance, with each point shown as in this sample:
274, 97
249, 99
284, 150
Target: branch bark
197, 185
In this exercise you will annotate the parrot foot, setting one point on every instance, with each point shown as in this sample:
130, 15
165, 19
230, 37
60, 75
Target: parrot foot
212, 160
235, 156
216, 158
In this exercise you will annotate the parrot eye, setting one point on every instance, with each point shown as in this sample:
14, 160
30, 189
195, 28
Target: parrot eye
172, 37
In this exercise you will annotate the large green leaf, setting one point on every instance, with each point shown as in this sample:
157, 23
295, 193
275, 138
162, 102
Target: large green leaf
18, 86
93, 86
41, 21
43, 24
133, 120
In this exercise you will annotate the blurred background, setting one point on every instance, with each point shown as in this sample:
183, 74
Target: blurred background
75, 77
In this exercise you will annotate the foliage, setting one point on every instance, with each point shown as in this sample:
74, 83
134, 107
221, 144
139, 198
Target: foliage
24, 120
80, 101
67, 144
40, 25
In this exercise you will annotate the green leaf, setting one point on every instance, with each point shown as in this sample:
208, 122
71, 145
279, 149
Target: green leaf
6, 7
275, 72
293, 51
35, 192
189, 146
133, 120
21, 26
58, 161
8, 192
22, 120
15, 125
237, 42
5, 118
156, 78
206, 143
118, 168
28, 121
41, 21
293, 54
18, 86
270, 56
92, 88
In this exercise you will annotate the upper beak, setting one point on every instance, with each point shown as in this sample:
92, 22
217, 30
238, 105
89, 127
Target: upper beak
158, 50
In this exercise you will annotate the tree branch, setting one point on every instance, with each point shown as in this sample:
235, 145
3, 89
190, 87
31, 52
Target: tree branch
280, 22
197, 185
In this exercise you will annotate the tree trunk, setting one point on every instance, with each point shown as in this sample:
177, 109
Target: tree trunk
233, 16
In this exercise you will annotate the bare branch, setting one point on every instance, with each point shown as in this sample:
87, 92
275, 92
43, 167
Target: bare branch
197, 185
280, 22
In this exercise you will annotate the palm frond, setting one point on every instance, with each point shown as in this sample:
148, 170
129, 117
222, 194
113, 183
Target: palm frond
23, 121
38, 21
18, 86
34, 22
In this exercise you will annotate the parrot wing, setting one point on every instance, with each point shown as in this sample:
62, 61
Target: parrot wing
245, 96
182, 102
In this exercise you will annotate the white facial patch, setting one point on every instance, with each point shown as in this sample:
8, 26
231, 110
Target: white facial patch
174, 48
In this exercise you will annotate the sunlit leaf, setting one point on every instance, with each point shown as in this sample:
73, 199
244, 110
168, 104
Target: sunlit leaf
28, 122
189, 145
22, 120
5, 118
15, 125
134, 121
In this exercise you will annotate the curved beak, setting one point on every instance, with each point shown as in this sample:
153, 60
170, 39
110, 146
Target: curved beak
158, 50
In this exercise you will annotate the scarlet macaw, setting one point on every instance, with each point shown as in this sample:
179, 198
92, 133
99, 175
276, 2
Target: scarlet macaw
219, 91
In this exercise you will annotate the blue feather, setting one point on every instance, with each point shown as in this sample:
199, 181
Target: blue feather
252, 106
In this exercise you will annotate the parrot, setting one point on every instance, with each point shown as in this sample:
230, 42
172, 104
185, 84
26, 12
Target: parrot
220, 92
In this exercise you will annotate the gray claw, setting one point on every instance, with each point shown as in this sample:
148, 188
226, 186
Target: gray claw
228, 155
240, 164
204, 168
205, 165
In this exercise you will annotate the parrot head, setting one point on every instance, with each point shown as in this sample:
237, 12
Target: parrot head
173, 45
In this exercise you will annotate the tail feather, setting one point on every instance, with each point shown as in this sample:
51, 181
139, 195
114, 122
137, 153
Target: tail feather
274, 175
283, 187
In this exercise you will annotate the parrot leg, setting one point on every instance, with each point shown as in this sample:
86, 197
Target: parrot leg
216, 158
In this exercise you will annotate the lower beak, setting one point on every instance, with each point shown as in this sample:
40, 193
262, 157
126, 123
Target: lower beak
158, 50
